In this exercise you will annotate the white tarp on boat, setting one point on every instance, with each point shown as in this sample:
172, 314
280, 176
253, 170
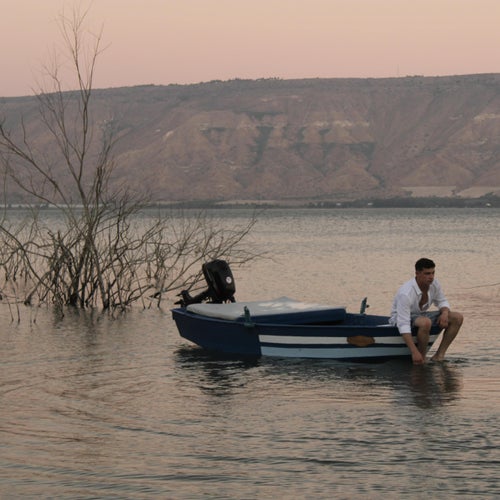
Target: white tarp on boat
279, 306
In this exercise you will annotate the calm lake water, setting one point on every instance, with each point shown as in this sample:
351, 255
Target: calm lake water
125, 408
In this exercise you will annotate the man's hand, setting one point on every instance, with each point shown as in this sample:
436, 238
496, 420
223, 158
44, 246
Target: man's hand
417, 358
416, 355
443, 318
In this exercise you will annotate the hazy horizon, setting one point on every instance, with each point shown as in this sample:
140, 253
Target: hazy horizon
166, 42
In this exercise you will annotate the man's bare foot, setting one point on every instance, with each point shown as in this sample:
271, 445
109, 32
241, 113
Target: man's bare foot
437, 358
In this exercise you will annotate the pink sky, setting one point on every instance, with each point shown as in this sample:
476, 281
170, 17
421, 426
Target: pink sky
191, 41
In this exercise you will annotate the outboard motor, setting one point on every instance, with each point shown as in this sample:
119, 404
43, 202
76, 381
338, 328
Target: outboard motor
220, 281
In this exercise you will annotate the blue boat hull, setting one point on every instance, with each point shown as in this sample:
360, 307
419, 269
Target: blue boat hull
357, 337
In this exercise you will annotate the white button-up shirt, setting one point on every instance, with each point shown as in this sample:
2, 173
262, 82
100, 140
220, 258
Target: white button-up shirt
406, 303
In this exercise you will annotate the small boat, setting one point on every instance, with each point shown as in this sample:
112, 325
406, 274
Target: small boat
283, 327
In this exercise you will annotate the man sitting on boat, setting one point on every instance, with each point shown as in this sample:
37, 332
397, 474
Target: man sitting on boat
410, 308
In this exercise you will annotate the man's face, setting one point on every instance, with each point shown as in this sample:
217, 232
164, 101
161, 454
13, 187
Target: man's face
426, 276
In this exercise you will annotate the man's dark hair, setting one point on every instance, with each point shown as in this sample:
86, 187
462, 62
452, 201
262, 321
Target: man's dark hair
424, 263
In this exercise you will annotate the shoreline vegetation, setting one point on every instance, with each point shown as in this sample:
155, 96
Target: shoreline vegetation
404, 202
487, 201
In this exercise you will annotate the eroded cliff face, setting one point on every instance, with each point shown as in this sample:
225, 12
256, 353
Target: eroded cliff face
303, 139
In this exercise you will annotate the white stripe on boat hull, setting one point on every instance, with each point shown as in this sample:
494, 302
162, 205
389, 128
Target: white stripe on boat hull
337, 348
335, 353
340, 341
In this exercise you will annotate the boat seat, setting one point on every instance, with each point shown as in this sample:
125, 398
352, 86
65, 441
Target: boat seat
280, 310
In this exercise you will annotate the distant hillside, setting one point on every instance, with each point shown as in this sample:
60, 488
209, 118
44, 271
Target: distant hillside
322, 139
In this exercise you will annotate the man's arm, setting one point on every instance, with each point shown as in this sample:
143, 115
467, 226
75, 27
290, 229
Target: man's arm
442, 303
403, 314
415, 353
403, 322
443, 317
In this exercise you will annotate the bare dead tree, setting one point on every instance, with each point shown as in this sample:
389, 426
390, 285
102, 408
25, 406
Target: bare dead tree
95, 255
